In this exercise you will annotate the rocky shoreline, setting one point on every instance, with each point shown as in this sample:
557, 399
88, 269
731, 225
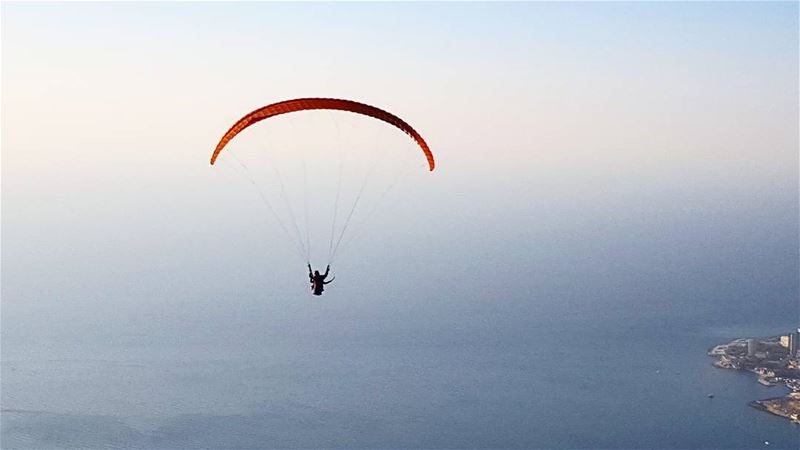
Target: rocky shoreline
787, 407
771, 361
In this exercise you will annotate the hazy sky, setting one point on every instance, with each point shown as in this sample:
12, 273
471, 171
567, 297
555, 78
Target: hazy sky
610, 153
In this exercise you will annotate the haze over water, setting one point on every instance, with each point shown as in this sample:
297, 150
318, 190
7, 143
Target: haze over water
616, 192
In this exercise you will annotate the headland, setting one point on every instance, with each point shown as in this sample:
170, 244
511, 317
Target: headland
774, 360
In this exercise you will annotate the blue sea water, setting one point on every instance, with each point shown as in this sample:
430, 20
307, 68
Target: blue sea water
502, 382
477, 332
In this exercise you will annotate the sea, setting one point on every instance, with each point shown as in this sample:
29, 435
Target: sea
480, 379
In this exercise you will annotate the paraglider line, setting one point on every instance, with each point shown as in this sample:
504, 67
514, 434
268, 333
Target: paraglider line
335, 211
289, 208
266, 201
360, 228
305, 206
355, 203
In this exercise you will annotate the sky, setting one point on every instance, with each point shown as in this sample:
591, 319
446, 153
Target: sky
612, 158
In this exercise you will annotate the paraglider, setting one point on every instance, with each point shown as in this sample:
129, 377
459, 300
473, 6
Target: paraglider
317, 280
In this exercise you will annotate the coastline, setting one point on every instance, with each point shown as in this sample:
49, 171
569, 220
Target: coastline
785, 407
772, 363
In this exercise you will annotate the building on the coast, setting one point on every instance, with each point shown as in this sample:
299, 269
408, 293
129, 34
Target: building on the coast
794, 343
764, 372
785, 341
752, 345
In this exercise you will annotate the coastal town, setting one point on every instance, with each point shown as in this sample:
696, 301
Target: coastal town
775, 360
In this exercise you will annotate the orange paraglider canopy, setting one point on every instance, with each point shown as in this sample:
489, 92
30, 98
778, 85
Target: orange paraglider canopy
302, 104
